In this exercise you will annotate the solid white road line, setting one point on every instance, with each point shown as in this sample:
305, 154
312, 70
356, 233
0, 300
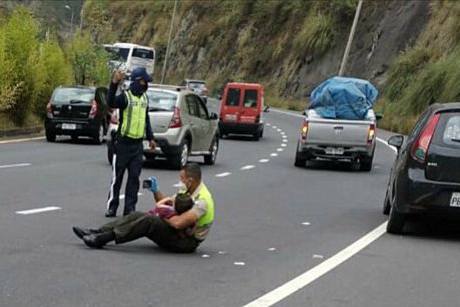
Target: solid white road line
39, 210
385, 143
311, 275
223, 174
15, 165
247, 167
22, 140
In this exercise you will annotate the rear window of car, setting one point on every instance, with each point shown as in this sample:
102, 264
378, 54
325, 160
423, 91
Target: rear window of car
66, 95
233, 97
448, 130
143, 53
250, 99
161, 100
195, 85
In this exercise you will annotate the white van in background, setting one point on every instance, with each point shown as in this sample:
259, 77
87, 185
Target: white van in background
131, 56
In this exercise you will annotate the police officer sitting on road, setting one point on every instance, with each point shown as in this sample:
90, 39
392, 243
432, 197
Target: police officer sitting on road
166, 233
128, 147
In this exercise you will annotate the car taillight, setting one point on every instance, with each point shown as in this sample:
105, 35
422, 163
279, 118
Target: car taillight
421, 145
371, 134
114, 118
304, 130
175, 120
49, 110
93, 111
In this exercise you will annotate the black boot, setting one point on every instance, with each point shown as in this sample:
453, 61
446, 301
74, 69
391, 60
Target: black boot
99, 240
81, 232
111, 213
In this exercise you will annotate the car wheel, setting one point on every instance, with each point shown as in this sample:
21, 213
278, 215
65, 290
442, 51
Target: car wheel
110, 155
366, 163
50, 136
211, 158
396, 221
386, 205
99, 135
261, 133
299, 162
256, 136
179, 161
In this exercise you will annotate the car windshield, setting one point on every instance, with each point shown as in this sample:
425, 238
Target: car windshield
197, 86
161, 101
75, 94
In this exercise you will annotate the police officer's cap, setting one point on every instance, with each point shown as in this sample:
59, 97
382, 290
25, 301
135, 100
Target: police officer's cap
140, 73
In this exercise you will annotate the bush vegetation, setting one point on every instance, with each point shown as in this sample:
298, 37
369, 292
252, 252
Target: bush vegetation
32, 65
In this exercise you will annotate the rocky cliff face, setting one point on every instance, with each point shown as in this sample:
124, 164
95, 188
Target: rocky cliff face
385, 29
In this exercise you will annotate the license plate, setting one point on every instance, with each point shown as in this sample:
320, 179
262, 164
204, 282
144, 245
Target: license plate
455, 200
230, 117
69, 126
334, 150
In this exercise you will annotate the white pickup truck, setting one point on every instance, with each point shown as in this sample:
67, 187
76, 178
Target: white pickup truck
337, 139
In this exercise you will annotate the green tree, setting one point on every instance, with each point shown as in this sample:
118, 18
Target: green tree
20, 42
50, 70
89, 61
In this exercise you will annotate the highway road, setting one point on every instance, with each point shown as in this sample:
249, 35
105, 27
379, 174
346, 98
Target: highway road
283, 236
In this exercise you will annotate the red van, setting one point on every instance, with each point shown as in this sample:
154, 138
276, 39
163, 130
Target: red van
241, 110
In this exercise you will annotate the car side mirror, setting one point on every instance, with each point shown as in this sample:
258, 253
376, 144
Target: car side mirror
213, 116
304, 113
396, 141
266, 109
378, 115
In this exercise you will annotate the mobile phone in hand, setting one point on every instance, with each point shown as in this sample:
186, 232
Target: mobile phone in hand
146, 184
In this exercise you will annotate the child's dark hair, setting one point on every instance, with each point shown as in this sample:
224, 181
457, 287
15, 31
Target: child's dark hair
183, 202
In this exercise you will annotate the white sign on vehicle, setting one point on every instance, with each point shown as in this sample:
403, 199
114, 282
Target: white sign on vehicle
69, 126
455, 200
230, 117
334, 151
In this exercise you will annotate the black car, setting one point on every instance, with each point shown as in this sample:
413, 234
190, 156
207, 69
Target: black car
426, 175
77, 111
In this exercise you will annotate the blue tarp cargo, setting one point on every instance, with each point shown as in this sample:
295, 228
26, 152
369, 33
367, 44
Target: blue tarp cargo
343, 98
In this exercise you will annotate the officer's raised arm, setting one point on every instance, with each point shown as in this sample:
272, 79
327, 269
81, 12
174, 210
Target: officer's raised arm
119, 101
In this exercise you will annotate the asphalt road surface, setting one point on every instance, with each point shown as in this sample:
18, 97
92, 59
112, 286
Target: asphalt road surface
283, 236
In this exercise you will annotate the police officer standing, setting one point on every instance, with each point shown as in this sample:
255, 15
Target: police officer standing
128, 147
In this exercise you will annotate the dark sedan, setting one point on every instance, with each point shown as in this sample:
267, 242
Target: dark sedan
77, 111
426, 175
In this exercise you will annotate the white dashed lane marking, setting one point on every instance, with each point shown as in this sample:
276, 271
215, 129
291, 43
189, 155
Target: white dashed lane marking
279, 149
247, 167
15, 165
223, 174
38, 210
273, 154
264, 160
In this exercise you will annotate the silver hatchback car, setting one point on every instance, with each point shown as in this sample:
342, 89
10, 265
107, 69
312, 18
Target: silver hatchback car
181, 124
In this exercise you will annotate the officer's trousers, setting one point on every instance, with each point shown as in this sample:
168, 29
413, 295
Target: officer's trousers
139, 224
127, 156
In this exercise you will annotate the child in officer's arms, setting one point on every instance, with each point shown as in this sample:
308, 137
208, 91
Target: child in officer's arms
182, 203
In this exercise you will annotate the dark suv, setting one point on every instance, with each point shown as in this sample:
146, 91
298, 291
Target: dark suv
426, 173
77, 111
